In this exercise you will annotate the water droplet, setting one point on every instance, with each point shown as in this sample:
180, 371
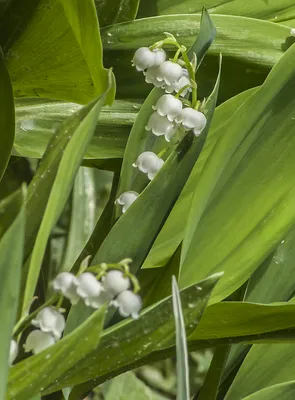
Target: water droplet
109, 34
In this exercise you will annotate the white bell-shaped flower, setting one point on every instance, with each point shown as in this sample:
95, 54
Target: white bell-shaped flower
13, 351
98, 301
160, 125
128, 304
149, 163
192, 119
126, 199
143, 58
88, 287
115, 282
66, 283
38, 341
50, 320
169, 72
177, 85
160, 57
152, 75
169, 106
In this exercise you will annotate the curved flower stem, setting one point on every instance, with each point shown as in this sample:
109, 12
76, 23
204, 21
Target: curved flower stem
192, 77
23, 323
182, 90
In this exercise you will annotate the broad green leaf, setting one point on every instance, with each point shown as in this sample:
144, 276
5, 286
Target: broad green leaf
75, 137
171, 234
7, 123
247, 56
129, 386
113, 11
130, 340
83, 216
17, 172
38, 119
264, 366
252, 8
279, 268
231, 180
68, 64
182, 366
233, 319
11, 250
283, 391
33, 374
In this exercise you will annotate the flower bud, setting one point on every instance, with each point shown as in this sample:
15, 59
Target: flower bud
13, 351
50, 320
149, 163
160, 125
115, 282
178, 85
128, 303
126, 199
192, 119
169, 106
38, 341
98, 301
146, 58
67, 283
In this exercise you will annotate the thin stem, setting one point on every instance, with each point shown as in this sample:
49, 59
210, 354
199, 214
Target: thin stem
182, 90
191, 75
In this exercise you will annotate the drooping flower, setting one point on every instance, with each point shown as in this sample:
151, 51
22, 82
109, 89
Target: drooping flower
192, 119
88, 287
126, 199
50, 320
178, 85
169, 106
146, 58
115, 282
128, 304
152, 75
67, 283
13, 351
149, 163
38, 341
98, 301
160, 125
169, 72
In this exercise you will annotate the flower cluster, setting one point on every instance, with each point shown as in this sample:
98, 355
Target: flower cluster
110, 284
174, 114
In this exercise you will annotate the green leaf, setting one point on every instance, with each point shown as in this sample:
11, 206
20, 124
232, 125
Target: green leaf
264, 366
38, 119
32, 375
11, 250
204, 39
262, 131
75, 136
233, 319
7, 123
129, 386
115, 11
209, 389
83, 216
182, 366
68, 64
171, 234
136, 338
283, 391
252, 8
